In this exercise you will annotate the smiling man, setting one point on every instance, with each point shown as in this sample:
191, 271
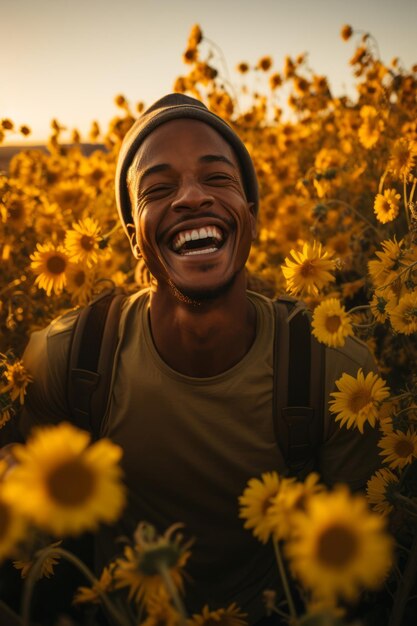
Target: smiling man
192, 384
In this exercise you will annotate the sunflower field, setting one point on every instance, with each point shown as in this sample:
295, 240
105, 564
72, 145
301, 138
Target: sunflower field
337, 228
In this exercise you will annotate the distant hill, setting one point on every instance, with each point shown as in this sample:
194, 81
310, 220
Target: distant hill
7, 152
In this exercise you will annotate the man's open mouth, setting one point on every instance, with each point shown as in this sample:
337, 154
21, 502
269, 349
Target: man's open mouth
193, 241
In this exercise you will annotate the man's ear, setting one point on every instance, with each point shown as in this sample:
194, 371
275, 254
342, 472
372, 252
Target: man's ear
131, 229
253, 220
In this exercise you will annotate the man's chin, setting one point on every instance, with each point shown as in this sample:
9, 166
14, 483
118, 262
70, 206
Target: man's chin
198, 295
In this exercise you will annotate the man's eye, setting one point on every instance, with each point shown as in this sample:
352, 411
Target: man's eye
218, 177
158, 190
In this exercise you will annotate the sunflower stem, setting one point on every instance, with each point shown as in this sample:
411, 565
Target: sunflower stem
381, 181
354, 211
411, 196
361, 307
115, 228
406, 269
173, 591
402, 595
406, 502
118, 618
284, 580
406, 207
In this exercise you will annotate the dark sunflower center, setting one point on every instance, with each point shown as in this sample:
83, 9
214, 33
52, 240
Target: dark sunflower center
87, 243
71, 483
333, 323
56, 264
307, 269
4, 518
404, 448
359, 400
337, 546
267, 503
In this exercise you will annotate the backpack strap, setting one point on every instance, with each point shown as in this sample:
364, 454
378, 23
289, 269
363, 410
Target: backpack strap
91, 357
298, 389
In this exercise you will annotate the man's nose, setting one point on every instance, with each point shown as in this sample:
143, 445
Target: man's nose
192, 195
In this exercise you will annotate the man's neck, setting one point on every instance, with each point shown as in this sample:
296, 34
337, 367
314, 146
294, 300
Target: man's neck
205, 339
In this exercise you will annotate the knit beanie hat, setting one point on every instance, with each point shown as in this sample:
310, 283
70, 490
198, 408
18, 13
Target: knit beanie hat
171, 107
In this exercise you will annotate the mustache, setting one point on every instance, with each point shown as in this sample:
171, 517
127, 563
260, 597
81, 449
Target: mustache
182, 221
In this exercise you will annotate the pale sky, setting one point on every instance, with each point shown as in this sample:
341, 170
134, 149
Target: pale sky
68, 58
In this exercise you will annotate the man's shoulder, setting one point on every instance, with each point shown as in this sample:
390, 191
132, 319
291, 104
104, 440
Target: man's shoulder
64, 323
354, 353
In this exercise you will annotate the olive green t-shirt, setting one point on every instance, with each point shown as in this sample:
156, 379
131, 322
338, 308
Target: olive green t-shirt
191, 445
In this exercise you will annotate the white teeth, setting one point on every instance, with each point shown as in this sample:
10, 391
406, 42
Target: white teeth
204, 251
201, 233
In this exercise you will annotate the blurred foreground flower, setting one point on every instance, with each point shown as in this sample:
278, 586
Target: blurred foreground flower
63, 484
231, 616
86, 595
12, 527
47, 569
255, 502
338, 548
144, 566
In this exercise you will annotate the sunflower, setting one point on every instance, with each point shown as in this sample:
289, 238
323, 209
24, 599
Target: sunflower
291, 498
399, 448
83, 241
85, 595
47, 569
256, 501
340, 244
379, 489
50, 263
308, 270
12, 525
338, 547
139, 568
331, 324
64, 485
389, 262
403, 316
370, 130
264, 63
403, 157
17, 381
379, 304
386, 206
231, 616
72, 196
358, 399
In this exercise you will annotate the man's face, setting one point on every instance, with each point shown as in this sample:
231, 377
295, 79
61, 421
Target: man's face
192, 221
